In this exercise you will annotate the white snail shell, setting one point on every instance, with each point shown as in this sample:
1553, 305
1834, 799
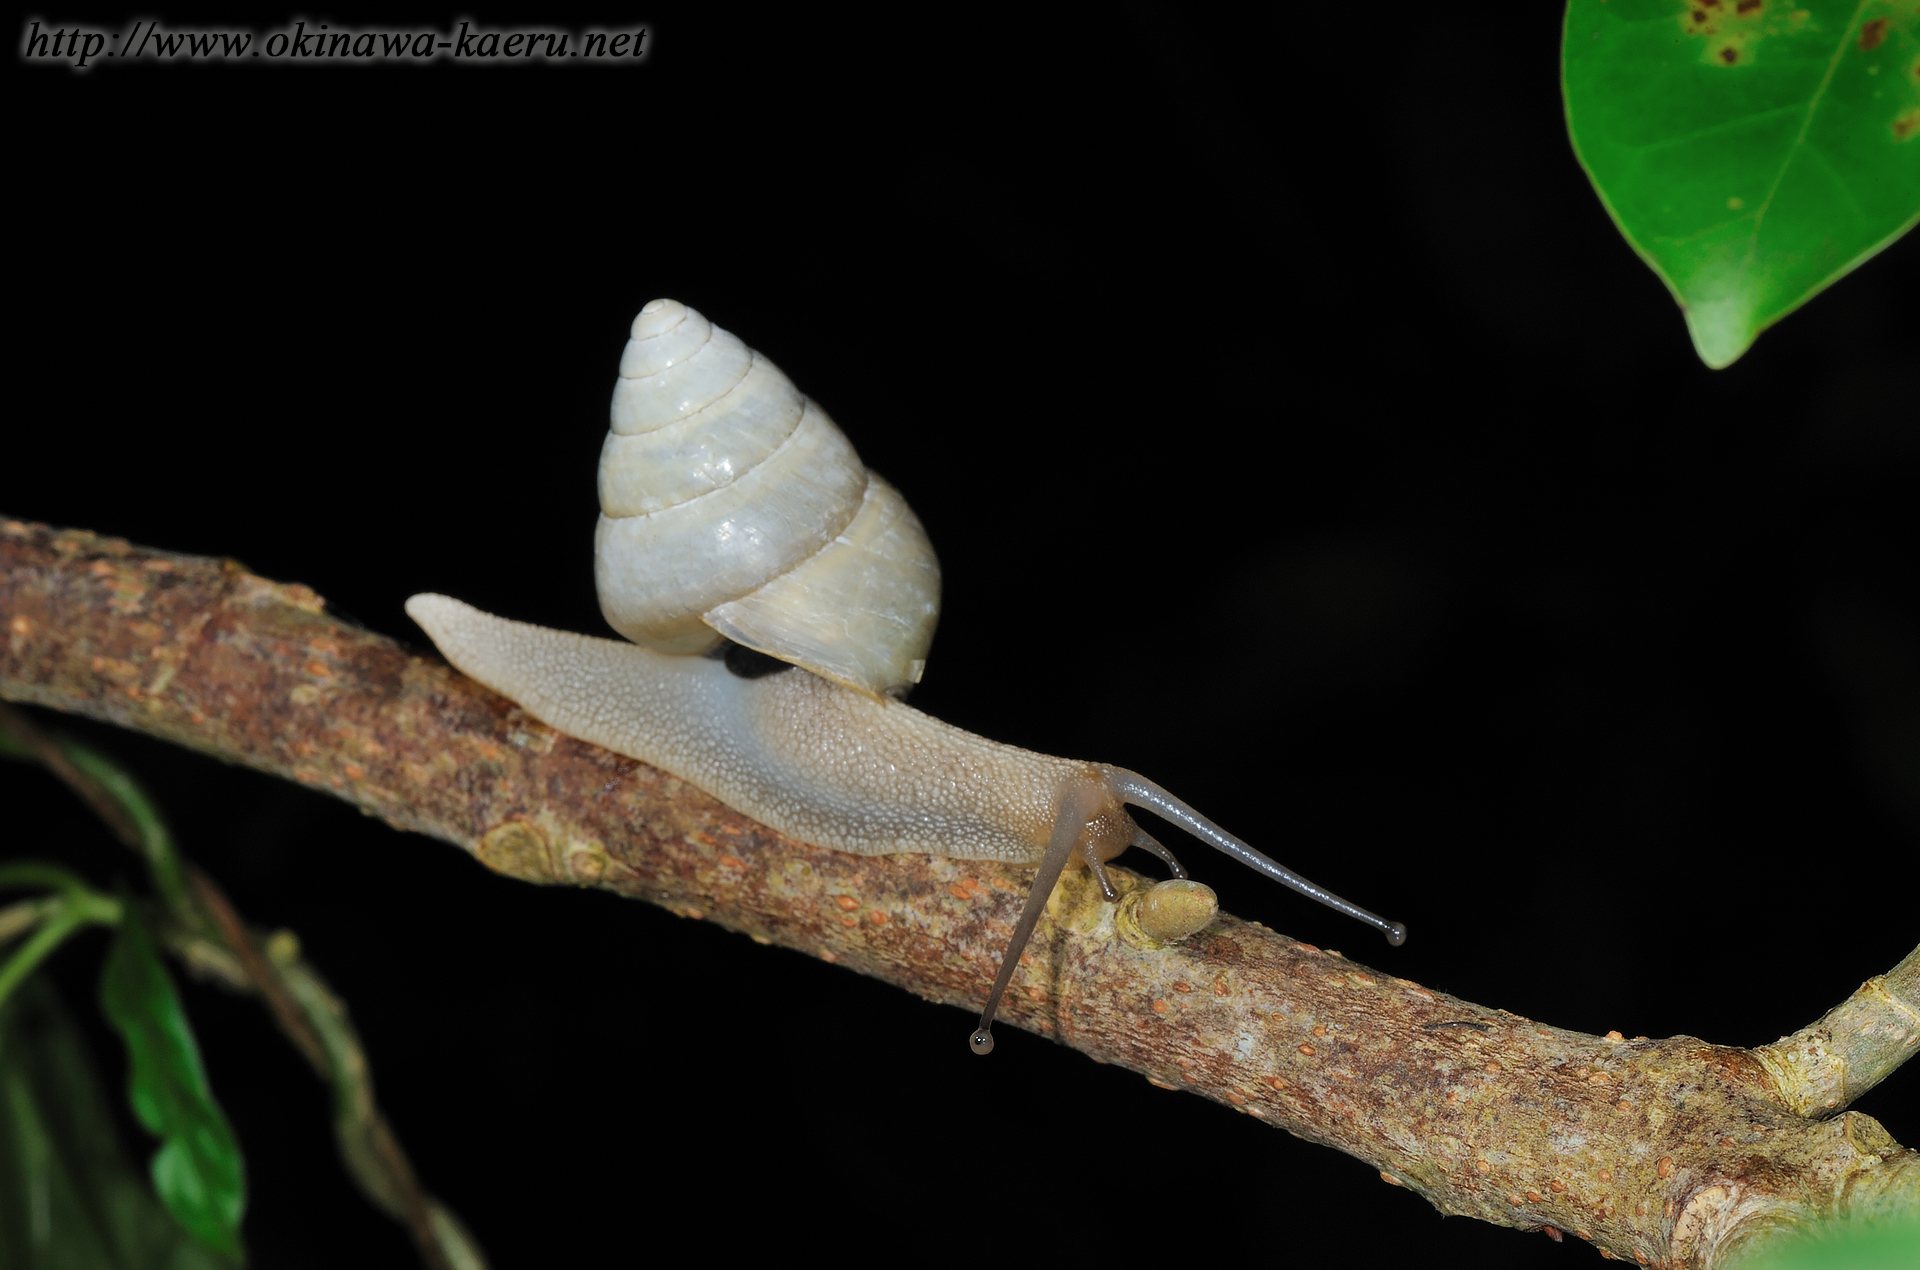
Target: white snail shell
731, 505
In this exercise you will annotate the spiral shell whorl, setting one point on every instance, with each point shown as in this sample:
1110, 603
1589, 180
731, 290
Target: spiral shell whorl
731, 504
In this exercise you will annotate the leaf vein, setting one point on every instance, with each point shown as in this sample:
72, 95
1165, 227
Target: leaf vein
1800, 141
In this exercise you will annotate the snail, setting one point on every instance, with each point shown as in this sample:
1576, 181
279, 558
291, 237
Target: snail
778, 601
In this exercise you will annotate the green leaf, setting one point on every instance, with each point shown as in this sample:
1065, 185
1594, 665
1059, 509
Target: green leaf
68, 1195
1862, 1246
197, 1171
1752, 151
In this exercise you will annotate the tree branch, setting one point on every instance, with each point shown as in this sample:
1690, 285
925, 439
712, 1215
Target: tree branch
1674, 1152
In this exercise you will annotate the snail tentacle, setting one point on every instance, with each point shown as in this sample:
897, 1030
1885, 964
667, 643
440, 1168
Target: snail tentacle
1141, 792
1081, 803
1090, 853
1151, 845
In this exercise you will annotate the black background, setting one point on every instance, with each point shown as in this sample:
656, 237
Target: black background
1294, 428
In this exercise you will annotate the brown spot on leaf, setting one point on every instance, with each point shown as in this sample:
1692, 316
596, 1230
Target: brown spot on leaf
1729, 55
1872, 33
1748, 6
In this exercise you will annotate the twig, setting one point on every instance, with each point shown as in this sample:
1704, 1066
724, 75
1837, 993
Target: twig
49, 755
1485, 1113
75, 906
396, 1189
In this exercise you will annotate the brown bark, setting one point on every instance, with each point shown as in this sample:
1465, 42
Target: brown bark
1673, 1152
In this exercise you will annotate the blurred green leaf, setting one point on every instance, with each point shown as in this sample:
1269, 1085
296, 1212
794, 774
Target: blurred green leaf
1752, 151
197, 1172
1892, 1246
69, 1198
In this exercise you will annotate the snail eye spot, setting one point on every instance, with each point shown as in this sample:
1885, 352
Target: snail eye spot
751, 663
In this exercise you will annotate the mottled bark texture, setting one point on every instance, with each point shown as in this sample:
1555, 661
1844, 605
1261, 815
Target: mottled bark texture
1673, 1152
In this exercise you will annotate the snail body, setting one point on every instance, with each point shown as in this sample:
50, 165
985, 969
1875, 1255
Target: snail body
811, 758
777, 600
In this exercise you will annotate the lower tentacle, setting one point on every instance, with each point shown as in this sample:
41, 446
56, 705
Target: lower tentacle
1098, 868
1151, 845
